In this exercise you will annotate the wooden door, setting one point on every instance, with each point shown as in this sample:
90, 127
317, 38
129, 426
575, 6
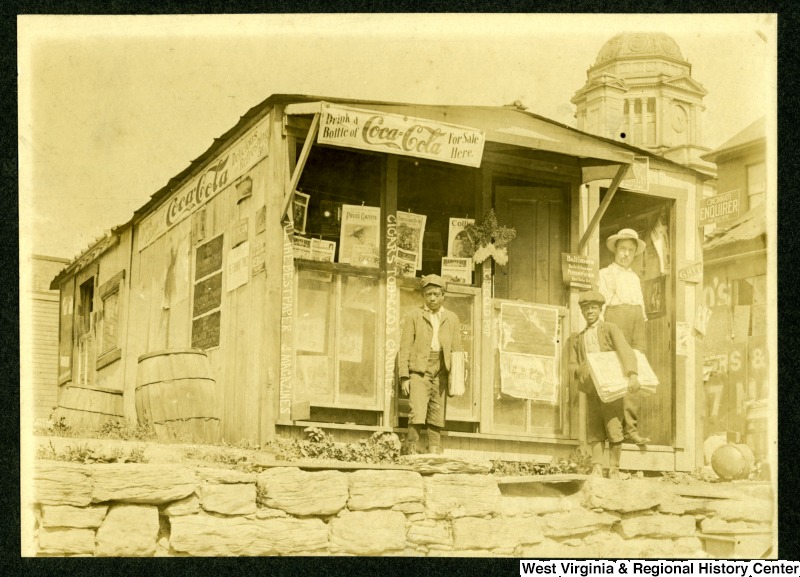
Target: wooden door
533, 272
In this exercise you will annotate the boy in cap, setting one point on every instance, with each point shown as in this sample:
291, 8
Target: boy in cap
429, 334
604, 420
622, 289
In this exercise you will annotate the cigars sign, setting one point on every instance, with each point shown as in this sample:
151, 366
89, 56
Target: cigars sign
403, 135
228, 166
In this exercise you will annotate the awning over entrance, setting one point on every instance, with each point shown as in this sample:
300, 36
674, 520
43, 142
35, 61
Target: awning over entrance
598, 159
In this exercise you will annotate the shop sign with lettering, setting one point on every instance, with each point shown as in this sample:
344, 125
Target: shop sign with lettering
640, 181
691, 273
578, 271
224, 170
720, 207
403, 135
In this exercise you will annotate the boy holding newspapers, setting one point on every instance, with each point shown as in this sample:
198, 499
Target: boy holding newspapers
604, 419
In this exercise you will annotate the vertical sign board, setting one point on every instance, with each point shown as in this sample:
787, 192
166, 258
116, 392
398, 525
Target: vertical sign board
402, 135
721, 207
207, 294
287, 309
392, 301
578, 271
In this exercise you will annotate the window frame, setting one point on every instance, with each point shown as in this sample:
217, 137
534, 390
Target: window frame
108, 355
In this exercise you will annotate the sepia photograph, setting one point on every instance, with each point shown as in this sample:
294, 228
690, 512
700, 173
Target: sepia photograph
215, 364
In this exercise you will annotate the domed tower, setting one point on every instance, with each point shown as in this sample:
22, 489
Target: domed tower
640, 90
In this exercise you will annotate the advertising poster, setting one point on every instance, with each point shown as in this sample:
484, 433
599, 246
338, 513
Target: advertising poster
528, 352
322, 250
238, 266
457, 270
655, 297
459, 244
410, 233
366, 256
701, 319
360, 227
300, 211
406, 263
302, 247
528, 377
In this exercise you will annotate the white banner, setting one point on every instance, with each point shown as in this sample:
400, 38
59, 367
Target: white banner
403, 135
228, 166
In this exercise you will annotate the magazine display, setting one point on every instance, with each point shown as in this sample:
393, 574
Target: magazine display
457, 270
360, 227
410, 234
459, 244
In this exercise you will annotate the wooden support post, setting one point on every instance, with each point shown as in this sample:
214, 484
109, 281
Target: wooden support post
602, 208
298, 169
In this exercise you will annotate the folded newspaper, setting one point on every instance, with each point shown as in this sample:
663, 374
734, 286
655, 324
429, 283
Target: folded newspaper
610, 381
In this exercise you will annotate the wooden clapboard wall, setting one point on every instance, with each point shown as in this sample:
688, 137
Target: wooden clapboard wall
44, 307
161, 303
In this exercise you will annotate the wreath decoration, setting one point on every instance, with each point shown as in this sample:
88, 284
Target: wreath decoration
490, 239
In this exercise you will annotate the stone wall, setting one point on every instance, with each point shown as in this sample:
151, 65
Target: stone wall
179, 510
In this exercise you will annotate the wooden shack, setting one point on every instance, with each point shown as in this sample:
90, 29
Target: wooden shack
291, 248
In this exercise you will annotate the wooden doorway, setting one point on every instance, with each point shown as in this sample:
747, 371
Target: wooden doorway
533, 272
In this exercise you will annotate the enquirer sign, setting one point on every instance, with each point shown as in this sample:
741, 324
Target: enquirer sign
403, 135
719, 208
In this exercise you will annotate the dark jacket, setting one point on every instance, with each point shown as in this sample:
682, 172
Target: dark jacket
415, 340
610, 338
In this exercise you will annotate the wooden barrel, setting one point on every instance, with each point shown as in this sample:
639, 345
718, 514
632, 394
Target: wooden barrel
732, 461
87, 409
175, 396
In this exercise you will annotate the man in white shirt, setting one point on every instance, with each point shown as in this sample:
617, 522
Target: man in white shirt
624, 307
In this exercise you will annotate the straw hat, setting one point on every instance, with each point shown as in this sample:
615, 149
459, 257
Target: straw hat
625, 233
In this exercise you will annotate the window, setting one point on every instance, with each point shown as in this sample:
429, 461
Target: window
86, 310
207, 299
756, 184
108, 349
336, 338
66, 330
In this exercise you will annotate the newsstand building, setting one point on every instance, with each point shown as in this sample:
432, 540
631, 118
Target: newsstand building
262, 289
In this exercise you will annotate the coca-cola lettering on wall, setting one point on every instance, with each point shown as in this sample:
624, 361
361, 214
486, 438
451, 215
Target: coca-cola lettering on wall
212, 180
225, 169
404, 135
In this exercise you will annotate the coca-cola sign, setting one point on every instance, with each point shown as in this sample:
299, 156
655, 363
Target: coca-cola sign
403, 135
223, 170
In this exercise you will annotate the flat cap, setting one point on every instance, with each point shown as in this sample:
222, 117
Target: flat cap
591, 297
435, 280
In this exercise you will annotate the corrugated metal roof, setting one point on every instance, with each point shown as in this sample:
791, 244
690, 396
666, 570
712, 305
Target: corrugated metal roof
748, 226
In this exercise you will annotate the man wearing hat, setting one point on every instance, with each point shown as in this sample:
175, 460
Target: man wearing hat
603, 420
429, 334
624, 307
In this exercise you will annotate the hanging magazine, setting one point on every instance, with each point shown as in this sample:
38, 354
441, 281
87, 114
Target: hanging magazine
410, 234
360, 227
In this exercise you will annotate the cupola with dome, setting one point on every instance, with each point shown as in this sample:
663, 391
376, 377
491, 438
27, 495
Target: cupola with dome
640, 91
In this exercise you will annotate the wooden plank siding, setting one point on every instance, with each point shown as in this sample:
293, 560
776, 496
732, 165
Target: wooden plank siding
44, 353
